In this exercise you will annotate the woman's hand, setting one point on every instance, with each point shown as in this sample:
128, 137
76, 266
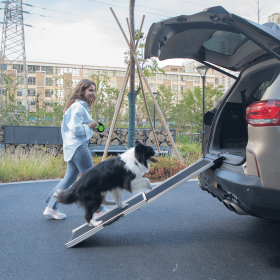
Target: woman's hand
93, 124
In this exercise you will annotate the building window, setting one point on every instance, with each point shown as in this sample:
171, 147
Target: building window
76, 72
61, 71
5, 67
18, 67
31, 81
174, 88
33, 68
32, 103
160, 77
59, 82
183, 88
31, 92
173, 78
183, 78
19, 91
59, 93
49, 82
48, 93
20, 80
216, 80
174, 69
86, 72
47, 69
112, 74
152, 78
74, 82
196, 80
180, 70
120, 73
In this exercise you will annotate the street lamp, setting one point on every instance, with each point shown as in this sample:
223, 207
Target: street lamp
155, 95
202, 69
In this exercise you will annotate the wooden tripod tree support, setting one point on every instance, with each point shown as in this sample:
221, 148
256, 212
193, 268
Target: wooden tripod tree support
119, 102
141, 76
116, 113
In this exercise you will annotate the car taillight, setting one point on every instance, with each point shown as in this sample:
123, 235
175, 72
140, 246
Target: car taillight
264, 113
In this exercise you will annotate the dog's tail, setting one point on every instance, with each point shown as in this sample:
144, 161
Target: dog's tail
65, 196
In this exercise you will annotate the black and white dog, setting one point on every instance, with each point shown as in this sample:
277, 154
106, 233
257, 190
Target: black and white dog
116, 174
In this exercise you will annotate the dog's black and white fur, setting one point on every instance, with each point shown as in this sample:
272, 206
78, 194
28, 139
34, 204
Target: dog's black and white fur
116, 174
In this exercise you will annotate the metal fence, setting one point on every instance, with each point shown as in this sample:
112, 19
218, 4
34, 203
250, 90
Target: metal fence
188, 138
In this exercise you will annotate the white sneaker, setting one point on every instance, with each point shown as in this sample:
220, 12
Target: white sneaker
55, 214
101, 210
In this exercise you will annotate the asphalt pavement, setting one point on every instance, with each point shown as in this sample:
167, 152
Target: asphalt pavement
186, 234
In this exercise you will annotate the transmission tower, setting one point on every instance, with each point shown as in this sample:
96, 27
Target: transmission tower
13, 60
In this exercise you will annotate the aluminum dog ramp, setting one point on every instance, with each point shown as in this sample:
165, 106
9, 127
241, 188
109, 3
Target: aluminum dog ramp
142, 199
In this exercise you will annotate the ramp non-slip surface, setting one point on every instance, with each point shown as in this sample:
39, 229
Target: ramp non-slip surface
142, 199
83, 232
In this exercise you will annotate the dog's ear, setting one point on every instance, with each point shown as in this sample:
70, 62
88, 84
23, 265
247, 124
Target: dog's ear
138, 147
137, 143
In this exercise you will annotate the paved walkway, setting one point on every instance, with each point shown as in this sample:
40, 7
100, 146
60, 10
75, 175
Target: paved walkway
186, 234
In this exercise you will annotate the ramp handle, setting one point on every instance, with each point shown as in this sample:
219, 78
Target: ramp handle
113, 220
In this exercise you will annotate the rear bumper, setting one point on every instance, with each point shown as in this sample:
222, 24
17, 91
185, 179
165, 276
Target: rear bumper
244, 191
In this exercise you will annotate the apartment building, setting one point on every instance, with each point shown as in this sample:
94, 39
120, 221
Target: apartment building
274, 18
49, 81
220, 79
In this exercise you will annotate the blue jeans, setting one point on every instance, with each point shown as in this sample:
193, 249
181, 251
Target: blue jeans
80, 162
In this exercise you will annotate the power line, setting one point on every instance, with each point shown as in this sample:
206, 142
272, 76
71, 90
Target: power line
127, 8
153, 8
74, 21
148, 7
103, 19
68, 13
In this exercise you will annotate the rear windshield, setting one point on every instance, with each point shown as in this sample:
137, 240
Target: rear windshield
224, 42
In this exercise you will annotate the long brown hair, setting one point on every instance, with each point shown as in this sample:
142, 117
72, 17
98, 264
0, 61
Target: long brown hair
79, 92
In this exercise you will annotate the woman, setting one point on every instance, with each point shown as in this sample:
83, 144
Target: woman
77, 128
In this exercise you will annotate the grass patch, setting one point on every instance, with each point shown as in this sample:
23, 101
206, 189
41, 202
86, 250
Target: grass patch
46, 166
31, 167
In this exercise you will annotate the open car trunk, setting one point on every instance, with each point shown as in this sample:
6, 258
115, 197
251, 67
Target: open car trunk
230, 133
234, 43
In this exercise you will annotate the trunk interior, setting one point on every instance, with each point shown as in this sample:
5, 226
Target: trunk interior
231, 128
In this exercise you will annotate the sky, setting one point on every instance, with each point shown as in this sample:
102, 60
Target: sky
85, 32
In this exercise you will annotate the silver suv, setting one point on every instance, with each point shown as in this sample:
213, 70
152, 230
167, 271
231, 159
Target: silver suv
244, 127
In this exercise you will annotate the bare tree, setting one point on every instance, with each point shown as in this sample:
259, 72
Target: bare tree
261, 9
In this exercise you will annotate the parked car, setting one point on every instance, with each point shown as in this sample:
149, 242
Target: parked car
244, 127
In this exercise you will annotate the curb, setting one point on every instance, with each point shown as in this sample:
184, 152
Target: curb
53, 180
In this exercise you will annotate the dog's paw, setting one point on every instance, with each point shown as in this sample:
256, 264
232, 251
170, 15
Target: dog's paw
149, 186
123, 205
56, 194
94, 223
